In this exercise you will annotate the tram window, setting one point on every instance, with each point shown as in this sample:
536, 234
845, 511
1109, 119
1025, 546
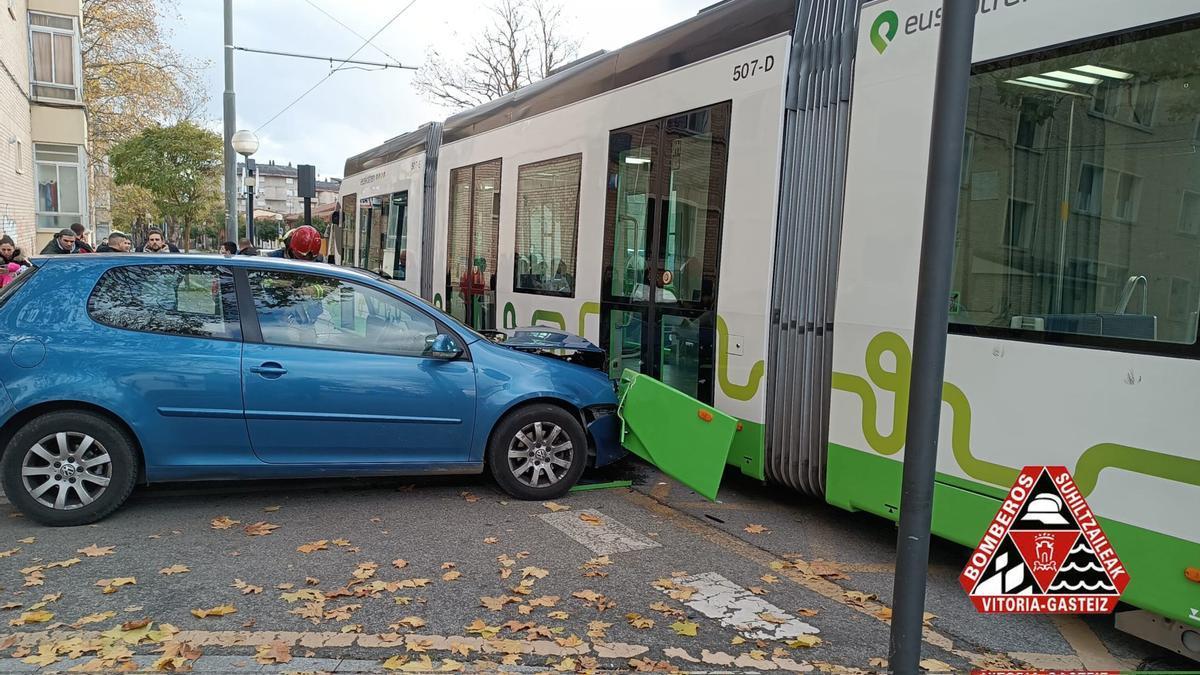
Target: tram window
547, 224
1077, 219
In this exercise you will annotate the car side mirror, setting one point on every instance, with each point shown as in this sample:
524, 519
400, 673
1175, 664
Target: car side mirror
443, 346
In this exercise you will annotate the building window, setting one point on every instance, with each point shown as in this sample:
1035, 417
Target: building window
289, 182
54, 61
547, 224
1069, 256
59, 186
1189, 213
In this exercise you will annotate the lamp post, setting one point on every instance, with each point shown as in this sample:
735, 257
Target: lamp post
245, 143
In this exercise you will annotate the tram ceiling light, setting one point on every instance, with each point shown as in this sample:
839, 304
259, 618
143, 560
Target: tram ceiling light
1111, 73
1034, 79
1072, 77
637, 160
1058, 90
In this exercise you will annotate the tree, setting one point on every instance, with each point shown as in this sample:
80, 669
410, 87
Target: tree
179, 166
132, 79
266, 229
524, 42
133, 209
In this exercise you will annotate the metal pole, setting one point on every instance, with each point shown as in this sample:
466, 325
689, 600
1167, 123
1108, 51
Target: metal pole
231, 218
330, 59
250, 204
929, 332
308, 211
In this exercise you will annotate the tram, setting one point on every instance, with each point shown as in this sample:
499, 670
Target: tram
733, 206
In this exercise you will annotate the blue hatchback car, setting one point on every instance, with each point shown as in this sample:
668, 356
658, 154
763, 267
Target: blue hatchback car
124, 369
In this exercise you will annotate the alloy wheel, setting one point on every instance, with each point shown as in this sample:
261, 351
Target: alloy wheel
66, 470
540, 454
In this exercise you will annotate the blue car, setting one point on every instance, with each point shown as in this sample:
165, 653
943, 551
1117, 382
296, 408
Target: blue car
117, 370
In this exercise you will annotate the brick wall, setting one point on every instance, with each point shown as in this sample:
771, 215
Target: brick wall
16, 158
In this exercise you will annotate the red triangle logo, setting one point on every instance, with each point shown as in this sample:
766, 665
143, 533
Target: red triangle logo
1044, 552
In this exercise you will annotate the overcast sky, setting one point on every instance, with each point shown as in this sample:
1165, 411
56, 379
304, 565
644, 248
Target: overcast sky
355, 109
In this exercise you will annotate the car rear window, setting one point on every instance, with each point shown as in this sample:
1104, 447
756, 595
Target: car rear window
10, 289
189, 300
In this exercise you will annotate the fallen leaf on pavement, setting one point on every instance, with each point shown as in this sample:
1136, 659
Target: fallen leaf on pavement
716, 658
94, 618
271, 509
770, 578
737, 640
411, 622
95, 551
28, 618
135, 624
11, 605
772, 618
276, 652
935, 666
312, 581
451, 575
46, 655
496, 603
536, 572
365, 571
927, 617
246, 588
469, 497
757, 590
10, 552
28, 540
687, 628
804, 641
259, 529
224, 523
590, 519
553, 506
320, 545
544, 601
403, 600
858, 597
63, 563
569, 642
567, 665
309, 594
412, 583
219, 610
491, 540
639, 622
175, 569
559, 615
400, 563
111, 585
756, 529
878, 662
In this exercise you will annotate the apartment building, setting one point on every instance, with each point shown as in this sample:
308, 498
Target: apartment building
276, 189
43, 128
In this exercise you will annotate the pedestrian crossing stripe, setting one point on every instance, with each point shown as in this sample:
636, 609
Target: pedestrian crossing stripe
1044, 552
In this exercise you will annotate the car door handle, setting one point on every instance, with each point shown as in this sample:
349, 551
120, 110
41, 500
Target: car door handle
269, 370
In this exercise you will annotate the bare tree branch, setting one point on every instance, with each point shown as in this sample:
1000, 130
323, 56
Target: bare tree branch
525, 40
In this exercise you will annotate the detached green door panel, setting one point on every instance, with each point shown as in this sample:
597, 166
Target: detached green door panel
686, 439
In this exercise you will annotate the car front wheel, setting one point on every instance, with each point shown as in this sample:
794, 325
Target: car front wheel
538, 452
69, 468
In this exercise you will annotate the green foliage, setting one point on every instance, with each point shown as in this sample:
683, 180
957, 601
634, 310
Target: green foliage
266, 229
179, 166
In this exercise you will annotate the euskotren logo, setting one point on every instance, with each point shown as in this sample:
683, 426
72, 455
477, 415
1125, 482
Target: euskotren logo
884, 30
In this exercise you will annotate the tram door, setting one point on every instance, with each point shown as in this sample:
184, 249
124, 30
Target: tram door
471, 255
662, 239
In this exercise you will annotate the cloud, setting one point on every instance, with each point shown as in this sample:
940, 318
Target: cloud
356, 109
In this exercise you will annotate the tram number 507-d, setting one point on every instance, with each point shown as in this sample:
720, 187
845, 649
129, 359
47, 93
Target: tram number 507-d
752, 68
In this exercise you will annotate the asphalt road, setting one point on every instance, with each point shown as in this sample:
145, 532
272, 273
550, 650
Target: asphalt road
399, 573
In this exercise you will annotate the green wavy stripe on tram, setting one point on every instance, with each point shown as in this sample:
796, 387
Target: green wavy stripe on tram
1091, 463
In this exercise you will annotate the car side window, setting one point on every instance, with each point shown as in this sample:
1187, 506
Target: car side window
306, 310
188, 300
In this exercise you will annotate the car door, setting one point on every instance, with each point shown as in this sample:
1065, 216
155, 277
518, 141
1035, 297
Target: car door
166, 346
340, 375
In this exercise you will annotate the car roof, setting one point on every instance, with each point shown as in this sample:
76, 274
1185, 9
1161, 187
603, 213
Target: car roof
260, 262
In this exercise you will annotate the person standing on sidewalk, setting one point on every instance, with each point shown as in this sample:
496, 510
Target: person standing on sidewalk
62, 244
10, 254
81, 242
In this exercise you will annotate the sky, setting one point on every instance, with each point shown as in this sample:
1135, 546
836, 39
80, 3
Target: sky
354, 110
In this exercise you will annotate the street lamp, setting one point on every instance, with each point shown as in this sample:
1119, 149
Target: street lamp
245, 143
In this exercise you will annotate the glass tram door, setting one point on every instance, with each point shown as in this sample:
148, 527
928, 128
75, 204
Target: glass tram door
662, 235
474, 231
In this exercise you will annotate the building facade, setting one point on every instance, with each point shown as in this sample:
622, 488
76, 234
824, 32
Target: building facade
43, 127
276, 190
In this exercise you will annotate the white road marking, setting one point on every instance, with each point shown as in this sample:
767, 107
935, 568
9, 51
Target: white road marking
719, 598
604, 537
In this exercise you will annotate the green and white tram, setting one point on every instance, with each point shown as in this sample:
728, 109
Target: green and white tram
733, 206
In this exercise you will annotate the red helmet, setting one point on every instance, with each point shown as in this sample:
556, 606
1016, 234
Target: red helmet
304, 242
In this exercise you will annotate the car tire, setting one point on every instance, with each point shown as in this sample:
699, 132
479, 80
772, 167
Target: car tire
541, 466
85, 469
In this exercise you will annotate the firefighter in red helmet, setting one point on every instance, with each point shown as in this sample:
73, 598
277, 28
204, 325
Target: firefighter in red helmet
302, 243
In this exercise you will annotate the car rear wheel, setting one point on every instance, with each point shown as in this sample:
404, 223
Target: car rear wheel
538, 452
69, 468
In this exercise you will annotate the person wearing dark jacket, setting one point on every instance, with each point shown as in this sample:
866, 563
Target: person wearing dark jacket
63, 243
118, 242
302, 243
229, 248
246, 248
81, 243
9, 253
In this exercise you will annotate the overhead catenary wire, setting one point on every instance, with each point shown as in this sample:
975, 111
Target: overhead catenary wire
335, 70
352, 31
